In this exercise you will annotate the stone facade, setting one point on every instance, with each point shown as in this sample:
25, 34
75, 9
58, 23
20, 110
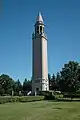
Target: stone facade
40, 63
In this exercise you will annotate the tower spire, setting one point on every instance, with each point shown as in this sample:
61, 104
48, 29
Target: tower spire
39, 18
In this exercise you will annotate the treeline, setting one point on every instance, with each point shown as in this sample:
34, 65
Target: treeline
8, 86
67, 80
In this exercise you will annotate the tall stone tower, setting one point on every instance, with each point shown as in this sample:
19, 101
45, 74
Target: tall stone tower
40, 63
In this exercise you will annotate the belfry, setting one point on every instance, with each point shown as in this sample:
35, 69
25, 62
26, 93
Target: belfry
39, 57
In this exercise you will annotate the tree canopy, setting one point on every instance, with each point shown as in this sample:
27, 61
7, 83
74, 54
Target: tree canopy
67, 80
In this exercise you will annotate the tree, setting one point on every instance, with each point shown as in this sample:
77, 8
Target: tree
18, 87
70, 74
49, 78
52, 82
1, 90
53, 77
6, 84
27, 85
58, 78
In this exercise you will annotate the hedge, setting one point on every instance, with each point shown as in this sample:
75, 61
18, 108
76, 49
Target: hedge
6, 99
71, 95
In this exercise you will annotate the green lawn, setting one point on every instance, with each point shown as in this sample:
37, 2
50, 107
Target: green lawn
41, 110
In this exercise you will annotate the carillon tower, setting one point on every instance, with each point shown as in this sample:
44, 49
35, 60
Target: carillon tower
39, 59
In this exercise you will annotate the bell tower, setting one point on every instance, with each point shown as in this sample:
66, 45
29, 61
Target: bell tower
39, 57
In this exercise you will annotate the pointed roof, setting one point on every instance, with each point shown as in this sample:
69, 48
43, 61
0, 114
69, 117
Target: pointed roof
39, 18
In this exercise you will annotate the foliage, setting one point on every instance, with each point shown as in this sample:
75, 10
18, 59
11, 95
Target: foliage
10, 87
47, 95
67, 80
30, 98
70, 77
71, 95
6, 85
6, 99
18, 87
52, 82
57, 94
27, 86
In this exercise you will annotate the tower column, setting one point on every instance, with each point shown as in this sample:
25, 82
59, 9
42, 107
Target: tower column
40, 64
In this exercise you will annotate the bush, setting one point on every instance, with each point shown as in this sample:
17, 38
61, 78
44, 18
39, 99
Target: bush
6, 99
51, 97
71, 95
78, 91
30, 98
48, 95
57, 94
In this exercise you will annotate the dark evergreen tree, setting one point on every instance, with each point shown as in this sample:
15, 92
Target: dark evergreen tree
18, 87
6, 84
27, 86
70, 77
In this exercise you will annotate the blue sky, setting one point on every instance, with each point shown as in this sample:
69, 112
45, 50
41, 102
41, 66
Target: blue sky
17, 18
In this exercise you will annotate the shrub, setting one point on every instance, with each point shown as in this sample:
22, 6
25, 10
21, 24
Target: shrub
78, 91
48, 95
6, 99
57, 94
71, 95
30, 98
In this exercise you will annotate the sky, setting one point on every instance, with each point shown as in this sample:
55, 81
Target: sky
17, 19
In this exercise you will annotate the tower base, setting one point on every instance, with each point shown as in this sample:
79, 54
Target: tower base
39, 85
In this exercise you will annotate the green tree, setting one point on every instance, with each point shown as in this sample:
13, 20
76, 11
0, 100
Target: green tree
1, 90
50, 84
49, 77
58, 78
27, 85
6, 84
18, 86
54, 80
70, 77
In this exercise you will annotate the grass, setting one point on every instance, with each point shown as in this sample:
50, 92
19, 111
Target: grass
40, 110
